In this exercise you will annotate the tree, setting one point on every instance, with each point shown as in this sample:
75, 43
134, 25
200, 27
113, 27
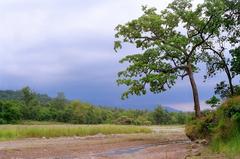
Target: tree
28, 95
223, 90
216, 48
161, 116
60, 101
213, 102
232, 19
217, 62
235, 62
170, 44
10, 112
31, 103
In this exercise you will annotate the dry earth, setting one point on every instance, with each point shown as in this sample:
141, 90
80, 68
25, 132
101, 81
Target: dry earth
164, 143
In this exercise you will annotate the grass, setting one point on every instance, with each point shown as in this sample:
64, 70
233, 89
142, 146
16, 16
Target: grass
32, 122
12, 132
230, 147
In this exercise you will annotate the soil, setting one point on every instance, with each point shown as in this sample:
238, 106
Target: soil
164, 143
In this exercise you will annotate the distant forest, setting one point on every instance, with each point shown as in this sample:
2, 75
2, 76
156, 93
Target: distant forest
25, 104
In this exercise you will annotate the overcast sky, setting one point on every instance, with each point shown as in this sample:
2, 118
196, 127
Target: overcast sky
67, 45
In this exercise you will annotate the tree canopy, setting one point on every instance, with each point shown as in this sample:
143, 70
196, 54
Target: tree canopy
170, 44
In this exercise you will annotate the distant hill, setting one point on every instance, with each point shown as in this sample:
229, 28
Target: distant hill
10, 95
44, 98
169, 109
18, 95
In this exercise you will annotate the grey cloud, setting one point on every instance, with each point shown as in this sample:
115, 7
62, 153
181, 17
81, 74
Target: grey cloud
62, 45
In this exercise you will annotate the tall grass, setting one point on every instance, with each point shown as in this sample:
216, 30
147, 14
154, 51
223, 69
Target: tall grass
229, 146
10, 132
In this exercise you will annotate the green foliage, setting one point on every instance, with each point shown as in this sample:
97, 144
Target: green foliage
10, 112
201, 128
18, 95
84, 113
28, 95
231, 147
59, 109
221, 127
142, 120
165, 53
161, 116
10, 95
213, 101
231, 21
164, 49
225, 13
235, 60
60, 101
180, 118
195, 129
124, 120
223, 90
217, 124
44, 113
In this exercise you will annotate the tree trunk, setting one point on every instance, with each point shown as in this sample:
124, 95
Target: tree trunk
195, 92
229, 79
227, 71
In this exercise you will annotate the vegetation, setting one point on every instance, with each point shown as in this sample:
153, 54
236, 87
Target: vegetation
166, 53
9, 132
26, 105
171, 44
220, 127
213, 102
235, 60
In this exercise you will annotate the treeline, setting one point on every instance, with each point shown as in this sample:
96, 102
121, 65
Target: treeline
25, 104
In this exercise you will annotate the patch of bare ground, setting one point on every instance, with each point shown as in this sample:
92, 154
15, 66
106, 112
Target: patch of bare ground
164, 143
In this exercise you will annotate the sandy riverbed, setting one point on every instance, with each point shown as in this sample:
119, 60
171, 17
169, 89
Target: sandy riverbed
164, 143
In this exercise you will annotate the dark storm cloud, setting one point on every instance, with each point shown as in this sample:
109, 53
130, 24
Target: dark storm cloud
67, 46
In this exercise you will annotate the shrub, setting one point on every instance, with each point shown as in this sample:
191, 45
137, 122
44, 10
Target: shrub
161, 116
221, 127
203, 127
10, 112
141, 120
44, 114
124, 120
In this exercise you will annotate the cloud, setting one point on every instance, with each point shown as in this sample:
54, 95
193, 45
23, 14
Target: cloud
27, 23
67, 45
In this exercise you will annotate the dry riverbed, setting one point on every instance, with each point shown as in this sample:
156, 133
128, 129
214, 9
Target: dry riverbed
163, 143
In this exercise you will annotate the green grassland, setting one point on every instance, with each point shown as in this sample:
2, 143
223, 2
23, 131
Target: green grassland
12, 132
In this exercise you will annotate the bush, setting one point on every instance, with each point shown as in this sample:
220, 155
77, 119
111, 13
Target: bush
10, 112
221, 127
141, 120
201, 128
124, 120
2, 121
44, 114
161, 116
